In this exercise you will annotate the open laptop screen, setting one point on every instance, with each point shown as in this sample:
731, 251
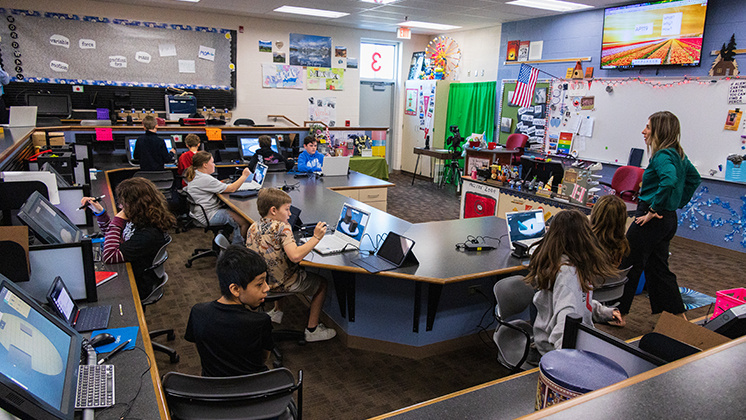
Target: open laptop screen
247, 146
133, 142
259, 173
395, 248
352, 222
524, 225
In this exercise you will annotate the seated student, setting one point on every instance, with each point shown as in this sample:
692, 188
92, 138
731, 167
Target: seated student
608, 221
185, 160
232, 338
150, 149
272, 238
203, 189
310, 160
564, 268
267, 155
138, 231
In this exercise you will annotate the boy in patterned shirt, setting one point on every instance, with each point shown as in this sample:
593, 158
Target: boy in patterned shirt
272, 237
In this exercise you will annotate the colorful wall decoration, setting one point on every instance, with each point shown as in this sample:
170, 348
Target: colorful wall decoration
282, 76
325, 78
310, 50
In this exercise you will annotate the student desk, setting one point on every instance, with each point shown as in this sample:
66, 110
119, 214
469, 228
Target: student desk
382, 311
439, 154
499, 156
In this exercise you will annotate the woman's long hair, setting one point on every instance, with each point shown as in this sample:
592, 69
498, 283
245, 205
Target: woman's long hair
198, 160
143, 204
570, 235
665, 132
608, 221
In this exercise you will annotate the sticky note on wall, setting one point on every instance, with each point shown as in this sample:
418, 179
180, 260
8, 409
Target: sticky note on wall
104, 134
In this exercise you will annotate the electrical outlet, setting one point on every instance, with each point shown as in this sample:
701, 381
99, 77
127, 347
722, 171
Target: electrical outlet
473, 290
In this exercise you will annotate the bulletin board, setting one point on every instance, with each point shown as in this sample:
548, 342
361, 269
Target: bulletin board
509, 111
59, 48
620, 109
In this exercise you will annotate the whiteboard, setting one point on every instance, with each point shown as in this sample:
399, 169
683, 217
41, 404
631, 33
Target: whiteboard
620, 116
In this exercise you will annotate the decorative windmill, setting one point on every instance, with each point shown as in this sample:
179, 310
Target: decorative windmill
445, 55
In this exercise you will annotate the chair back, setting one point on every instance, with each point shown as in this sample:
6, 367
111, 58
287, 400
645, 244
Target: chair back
626, 182
612, 289
163, 180
516, 141
514, 333
221, 242
15, 265
244, 121
159, 269
261, 395
14, 194
513, 298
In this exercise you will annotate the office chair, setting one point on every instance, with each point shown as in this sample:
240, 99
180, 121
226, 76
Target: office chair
222, 230
626, 183
516, 141
514, 333
264, 395
244, 121
15, 265
612, 289
160, 271
14, 194
283, 334
163, 180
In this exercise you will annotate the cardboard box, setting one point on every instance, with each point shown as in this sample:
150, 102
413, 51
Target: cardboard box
680, 329
56, 138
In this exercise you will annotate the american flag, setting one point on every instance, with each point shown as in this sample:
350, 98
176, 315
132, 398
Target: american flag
524, 89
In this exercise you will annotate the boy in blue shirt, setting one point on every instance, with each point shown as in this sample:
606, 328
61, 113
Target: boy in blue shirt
310, 160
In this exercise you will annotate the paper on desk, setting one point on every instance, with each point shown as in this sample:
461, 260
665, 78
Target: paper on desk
167, 50
187, 66
586, 127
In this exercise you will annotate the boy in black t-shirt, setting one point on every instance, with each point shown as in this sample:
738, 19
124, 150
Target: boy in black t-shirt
232, 338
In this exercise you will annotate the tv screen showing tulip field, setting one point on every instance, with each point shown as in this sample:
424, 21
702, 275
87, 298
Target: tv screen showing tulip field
661, 33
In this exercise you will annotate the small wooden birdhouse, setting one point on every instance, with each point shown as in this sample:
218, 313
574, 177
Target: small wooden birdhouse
577, 73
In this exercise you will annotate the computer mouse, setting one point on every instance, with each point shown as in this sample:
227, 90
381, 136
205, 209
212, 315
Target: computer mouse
101, 339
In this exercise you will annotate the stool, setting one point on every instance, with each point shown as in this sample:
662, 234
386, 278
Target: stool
567, 373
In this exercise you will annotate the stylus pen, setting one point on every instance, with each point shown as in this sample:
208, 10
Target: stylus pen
114, 352
99, 198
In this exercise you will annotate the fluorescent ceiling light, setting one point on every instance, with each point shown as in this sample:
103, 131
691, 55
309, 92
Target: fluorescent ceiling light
190, 1
378, 1
427, 25
310, 12
554, 5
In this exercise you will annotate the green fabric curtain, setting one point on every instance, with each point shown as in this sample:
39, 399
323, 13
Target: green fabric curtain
471, 106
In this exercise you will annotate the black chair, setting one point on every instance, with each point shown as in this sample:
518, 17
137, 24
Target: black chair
163, 180
264, 395
223, 230
612, 289
283, 334
15, 264
514, 332
160, 271
14, 194
244, 121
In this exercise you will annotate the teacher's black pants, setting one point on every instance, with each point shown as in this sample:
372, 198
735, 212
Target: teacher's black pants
649, 252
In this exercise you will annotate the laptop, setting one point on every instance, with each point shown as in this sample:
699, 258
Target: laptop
389, 256
22, 116
82, 319
348, 234
525, 227
247, 147
335, 165
257, 179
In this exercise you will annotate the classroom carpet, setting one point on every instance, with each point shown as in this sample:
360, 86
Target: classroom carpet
342, 383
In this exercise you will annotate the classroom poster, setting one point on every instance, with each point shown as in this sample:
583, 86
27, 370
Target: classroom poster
564, 145
282, 76
340, 58
319, 78
411, 102
323, 109
310, 50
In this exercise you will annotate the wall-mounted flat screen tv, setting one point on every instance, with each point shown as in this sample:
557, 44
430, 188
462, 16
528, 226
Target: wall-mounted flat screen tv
656, 33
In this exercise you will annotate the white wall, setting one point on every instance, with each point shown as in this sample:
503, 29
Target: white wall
480, 53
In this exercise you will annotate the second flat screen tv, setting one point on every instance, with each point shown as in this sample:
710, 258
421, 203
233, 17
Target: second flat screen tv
657, 33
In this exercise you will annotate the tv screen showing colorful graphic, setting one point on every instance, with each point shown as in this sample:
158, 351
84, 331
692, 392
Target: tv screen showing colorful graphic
659, 33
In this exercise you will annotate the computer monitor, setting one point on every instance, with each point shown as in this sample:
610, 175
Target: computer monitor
133, 142
47, 221
50, 105
39, 358
46, 178
247, 146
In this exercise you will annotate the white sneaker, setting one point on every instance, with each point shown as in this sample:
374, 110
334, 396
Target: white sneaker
320, 334
275, 315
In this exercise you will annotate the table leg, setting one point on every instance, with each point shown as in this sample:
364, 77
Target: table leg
344, 286
414, 174
433, 298
417, 306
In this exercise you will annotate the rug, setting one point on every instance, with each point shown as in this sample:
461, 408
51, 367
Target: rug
693, 299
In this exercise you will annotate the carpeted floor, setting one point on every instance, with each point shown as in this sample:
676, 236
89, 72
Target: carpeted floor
354, 384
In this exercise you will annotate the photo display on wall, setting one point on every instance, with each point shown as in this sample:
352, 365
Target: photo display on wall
532, 121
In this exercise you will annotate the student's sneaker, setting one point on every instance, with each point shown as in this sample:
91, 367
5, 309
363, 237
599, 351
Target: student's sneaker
275, 315
320, 334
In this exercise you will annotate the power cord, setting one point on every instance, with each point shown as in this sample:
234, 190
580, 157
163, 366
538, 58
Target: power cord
129, 404
477, 243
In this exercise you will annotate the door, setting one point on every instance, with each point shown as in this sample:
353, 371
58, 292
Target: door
377, 109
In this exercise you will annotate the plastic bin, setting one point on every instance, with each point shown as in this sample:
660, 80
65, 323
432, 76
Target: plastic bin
727, 299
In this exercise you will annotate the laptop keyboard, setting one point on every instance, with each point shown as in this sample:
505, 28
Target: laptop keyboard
95, 386
248, 186
93, 318
332, 244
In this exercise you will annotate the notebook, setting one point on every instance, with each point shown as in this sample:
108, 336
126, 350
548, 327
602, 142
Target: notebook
526, 227
389, 256
348, 234
82, 319
257, 178
22, 116
335, 165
